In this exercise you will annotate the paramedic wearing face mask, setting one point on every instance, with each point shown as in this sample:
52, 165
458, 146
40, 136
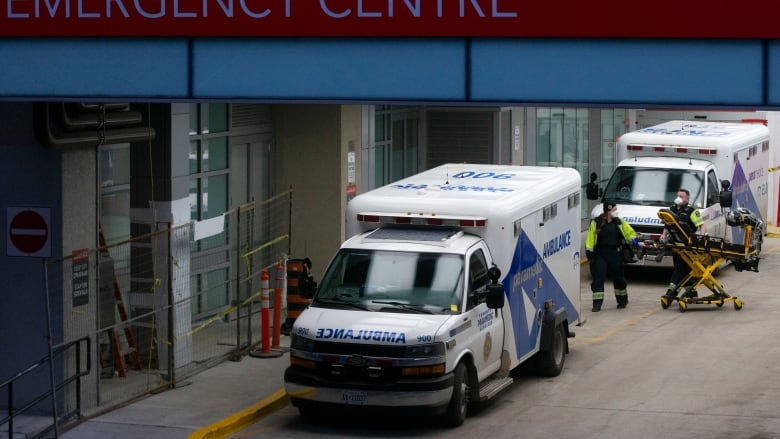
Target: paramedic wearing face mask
602, 246
686, 214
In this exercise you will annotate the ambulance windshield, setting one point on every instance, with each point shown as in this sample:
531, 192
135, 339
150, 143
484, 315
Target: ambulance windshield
653, 186
393, 281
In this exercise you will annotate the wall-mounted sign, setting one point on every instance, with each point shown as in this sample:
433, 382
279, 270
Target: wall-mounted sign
393, 18
28, 231
80, 278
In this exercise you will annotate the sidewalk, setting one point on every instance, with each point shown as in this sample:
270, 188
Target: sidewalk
212, 404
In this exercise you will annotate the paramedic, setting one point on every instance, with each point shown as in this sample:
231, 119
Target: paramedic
689, 218
602, 246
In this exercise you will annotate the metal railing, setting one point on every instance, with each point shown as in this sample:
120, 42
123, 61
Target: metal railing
78, 372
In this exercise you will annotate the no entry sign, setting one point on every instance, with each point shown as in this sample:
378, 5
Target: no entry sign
28, 231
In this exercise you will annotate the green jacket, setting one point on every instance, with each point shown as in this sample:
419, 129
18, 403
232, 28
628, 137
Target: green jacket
625, 228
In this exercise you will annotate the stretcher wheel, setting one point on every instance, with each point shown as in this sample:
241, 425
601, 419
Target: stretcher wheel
683, 306
719, 304
665, 302
738, 304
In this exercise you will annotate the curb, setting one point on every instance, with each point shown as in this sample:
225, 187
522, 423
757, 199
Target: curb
242, 419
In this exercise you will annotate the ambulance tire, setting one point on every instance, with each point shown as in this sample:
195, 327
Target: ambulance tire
549, 363
313, 414
456, 411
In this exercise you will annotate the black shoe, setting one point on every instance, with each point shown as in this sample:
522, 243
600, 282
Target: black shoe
621, 305
597, 305
596, 309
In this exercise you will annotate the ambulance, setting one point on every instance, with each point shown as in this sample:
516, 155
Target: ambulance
709, 159
451, 279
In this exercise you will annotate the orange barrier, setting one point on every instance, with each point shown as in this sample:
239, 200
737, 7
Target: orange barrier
296, 270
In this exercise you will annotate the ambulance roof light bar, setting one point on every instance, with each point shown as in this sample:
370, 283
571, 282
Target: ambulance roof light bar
422, 219
672, 149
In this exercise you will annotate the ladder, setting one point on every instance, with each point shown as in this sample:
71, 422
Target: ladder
119, 356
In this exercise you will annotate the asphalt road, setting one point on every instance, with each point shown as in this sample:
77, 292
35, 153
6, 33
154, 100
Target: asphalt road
642, 372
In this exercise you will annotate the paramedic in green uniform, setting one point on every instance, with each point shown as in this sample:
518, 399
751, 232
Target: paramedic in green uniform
602, 247
690, 218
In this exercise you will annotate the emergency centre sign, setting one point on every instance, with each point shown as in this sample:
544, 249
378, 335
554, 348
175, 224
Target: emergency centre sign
390, 18
28, 231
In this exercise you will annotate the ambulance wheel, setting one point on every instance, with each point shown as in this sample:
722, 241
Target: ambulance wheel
312, 413
550, 361
683, 306
738, 304
456, 411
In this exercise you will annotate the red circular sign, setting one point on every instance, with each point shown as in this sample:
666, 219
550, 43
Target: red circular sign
28, 231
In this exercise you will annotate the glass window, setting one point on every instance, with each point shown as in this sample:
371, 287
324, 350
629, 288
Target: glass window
215, 154
613, 125
543, 141
115, 166
214, 196
194, 156
713, 189
210, 292
195, 199
397, 158
216, 292
115, 192
412, 141
379, 164
381, 121
653, 185
393, 281
218, 118
396, 142
194, 119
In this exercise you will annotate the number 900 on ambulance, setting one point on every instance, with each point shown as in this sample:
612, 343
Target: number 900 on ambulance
451, 279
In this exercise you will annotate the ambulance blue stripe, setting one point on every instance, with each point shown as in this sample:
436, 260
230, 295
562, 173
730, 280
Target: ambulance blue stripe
742, 197
527, 267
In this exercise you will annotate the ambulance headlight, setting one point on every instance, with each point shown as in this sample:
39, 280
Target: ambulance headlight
302, 343
424, 350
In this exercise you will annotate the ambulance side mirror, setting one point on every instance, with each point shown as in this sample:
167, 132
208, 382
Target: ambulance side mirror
307, 286
494, 298
725, 195
592, 190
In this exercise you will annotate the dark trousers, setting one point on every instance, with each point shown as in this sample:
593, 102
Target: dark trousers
681, 270
607, 260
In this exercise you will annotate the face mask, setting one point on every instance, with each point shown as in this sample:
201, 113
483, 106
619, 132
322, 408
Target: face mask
678, 201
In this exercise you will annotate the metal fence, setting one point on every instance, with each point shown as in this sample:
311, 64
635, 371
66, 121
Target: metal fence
167, 304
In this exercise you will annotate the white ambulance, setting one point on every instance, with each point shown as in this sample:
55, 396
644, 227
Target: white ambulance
655, 162
453, 278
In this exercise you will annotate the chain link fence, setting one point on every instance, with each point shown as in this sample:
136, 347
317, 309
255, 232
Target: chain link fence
166, 305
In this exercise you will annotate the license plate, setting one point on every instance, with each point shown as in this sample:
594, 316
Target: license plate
353, 397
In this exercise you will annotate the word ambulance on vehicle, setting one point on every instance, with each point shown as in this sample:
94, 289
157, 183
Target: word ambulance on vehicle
709, 159
453, 278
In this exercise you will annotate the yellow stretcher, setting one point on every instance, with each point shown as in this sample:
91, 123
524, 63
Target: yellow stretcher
704, 254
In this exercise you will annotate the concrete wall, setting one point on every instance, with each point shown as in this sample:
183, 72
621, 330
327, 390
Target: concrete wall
351, 138
308, 153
